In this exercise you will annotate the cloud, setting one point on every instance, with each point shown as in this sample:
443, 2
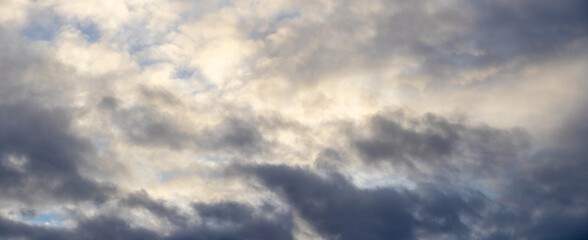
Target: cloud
41, 157
143, 200
222, 220
546, 197
434, 142
337, 209
110, 228
217, 220
157, 119
12, 229
231, 220
146, 126
439, 41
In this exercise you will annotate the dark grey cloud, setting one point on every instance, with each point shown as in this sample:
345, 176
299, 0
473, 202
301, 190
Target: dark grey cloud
159, 95
333, 206
534, 196
339, 210
235, 134
508, 29
232, 220
144, 125
549, 182
499, 32
109, 228
224, 211
222, 220
445, 41
96, 228
435, 142
109, 103
546, 198
41, 155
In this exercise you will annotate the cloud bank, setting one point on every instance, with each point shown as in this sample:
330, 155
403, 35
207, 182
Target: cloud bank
153, 119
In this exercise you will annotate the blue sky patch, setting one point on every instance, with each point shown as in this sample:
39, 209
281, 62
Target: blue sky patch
183, 73
40, 219
42, 28
89, 30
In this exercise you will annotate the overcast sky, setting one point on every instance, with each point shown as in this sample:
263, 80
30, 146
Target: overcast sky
285, 119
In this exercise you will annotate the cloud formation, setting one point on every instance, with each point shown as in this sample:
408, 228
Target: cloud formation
434, 142
156, 119
338, 209
40, 157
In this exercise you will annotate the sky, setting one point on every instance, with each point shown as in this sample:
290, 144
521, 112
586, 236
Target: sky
283, 119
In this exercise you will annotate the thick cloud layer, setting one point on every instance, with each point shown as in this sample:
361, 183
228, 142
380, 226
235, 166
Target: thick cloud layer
339, 210
224, 220
40, 157
156, 119
447, 40
547, 194
434, 142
